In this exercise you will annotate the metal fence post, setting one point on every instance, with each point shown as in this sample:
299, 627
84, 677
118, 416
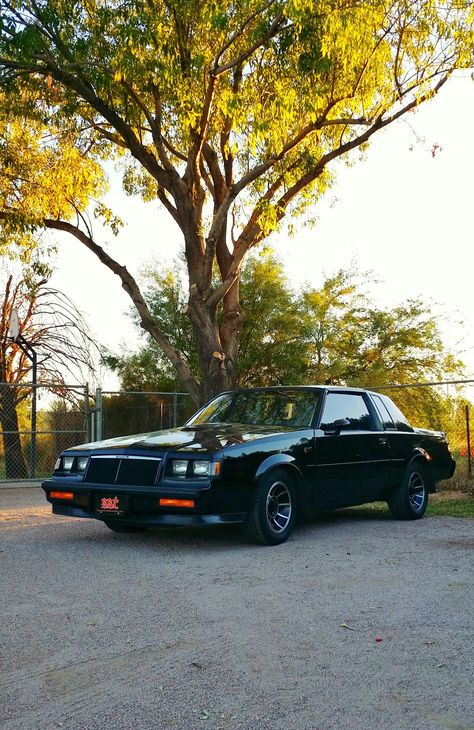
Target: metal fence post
468, 438
87, 415
98, 415
175, 410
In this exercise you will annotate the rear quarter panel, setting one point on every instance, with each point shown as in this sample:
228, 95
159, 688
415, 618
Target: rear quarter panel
427, 445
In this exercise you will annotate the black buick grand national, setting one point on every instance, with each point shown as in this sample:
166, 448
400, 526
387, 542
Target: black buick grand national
258, 457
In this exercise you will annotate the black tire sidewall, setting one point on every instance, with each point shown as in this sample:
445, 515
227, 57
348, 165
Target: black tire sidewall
266, 483
400, 504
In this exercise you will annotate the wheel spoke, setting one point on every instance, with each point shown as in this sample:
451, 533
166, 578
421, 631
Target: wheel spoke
416, 492
279, 507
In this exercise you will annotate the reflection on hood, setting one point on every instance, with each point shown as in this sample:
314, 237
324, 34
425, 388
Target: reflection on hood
203, 437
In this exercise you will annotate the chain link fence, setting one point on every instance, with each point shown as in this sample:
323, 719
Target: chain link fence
36, 424
123, 413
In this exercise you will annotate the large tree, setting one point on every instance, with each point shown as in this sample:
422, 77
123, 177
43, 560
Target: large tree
228, 113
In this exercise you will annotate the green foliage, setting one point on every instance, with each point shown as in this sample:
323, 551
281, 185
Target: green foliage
87, 65
332, 335
148, 369
272, 350
44, 174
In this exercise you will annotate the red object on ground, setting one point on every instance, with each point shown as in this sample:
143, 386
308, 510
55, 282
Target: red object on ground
378, 639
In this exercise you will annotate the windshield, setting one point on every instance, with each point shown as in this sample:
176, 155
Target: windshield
292, 408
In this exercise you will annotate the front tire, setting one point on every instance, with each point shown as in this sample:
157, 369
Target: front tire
410, 499
272, 514
119, 527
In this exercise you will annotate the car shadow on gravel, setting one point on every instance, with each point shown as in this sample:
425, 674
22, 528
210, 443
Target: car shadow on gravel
175, 538
355, 514
217, 537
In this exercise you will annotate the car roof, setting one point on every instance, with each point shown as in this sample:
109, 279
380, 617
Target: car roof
329, 388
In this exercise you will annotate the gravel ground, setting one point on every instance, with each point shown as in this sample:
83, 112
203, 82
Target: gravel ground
194, 629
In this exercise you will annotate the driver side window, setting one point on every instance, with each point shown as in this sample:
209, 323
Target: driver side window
346, 405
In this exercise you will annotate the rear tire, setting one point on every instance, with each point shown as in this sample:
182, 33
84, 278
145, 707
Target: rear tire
119, 527
272, 514
410, 499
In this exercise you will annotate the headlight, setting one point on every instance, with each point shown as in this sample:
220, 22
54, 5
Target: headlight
179, 467
67, 463
81, 463
193, 468
201, 468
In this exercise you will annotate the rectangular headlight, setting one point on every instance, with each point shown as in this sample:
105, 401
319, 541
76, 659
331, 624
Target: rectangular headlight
201, 468
81, 463
67, 463
179, 467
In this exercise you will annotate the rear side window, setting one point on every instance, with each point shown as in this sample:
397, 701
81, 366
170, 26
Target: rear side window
387, 419
398, 417
346, 405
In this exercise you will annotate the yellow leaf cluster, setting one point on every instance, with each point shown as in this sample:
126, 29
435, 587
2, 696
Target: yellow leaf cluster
44, 174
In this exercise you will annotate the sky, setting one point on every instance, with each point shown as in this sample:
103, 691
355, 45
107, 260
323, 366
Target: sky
400, 212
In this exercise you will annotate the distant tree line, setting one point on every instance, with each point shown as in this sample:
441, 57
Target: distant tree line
333, 334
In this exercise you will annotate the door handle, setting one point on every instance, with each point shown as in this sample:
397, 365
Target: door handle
383, 441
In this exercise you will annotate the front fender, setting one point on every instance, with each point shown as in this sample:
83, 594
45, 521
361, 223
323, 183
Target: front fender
277, 460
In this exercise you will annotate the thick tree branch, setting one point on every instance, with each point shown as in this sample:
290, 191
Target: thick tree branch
130, 285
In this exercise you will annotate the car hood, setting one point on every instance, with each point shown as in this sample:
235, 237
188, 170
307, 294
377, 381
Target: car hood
206, 437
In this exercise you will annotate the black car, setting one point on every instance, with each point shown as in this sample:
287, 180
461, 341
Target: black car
258, 457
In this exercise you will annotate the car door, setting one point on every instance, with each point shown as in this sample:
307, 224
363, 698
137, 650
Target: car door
352, 454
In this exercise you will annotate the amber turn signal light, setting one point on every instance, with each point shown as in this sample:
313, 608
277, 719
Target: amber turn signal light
176, 502
61, 495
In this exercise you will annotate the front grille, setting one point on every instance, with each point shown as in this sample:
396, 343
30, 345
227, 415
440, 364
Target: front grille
124, 470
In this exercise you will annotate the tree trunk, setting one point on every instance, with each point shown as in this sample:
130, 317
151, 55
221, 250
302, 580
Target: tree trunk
214, 372
217, 344
15, 464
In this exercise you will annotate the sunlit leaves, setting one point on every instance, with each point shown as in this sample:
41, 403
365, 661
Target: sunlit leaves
44, 173
325, 60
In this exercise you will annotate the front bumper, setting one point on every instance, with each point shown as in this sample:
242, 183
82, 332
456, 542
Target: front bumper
141, 505
154, 520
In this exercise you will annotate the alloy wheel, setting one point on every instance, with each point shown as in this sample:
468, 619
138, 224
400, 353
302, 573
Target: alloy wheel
279, 507
416, 491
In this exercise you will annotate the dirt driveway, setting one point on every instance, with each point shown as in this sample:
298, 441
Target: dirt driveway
196, 630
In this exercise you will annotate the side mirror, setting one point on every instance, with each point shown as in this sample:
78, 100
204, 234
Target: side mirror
339, 425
